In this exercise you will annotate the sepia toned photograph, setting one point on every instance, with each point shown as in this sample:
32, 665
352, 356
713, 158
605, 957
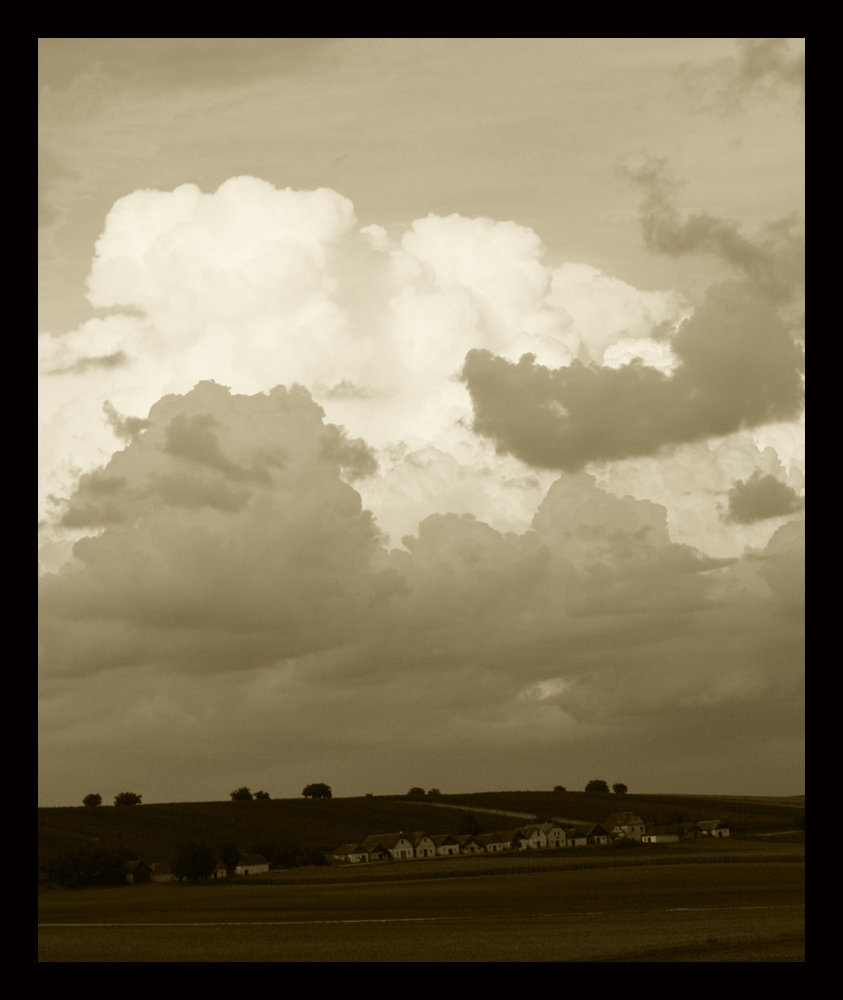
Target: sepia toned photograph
421, 499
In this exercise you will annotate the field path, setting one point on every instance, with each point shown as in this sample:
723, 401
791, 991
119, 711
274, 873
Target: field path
494, 812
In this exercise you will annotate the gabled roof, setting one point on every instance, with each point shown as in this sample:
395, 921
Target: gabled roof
622, 819
656, 830
346, 849
442, 838
464, 838
597, 830
386, 840
252, 859
709, 824
416, 836
131, 866
488, 838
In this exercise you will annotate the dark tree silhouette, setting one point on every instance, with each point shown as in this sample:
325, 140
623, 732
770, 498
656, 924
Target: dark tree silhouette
318, 790
230, 855
193, 862
241, 795
127, 799
597, 786
434, 793
94, 799
559, 788
90, 865
619, 788
262, 795
415, 793
469, 824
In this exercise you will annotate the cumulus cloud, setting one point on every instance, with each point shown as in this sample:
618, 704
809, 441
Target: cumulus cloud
276, 601
759, 498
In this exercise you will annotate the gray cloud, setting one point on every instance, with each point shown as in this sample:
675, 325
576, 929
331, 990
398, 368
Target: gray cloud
117, 359
124, 427
739, 362
761, 497
355, 457
762, 67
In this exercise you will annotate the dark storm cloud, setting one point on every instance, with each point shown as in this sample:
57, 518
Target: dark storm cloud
761, 497
355, 457
739, 364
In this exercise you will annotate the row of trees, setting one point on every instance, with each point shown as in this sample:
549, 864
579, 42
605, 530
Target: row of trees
122, 799
598, 786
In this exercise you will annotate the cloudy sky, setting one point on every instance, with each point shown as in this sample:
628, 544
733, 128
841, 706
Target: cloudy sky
420, 412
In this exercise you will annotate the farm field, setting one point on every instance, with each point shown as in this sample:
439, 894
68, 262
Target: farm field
716, 911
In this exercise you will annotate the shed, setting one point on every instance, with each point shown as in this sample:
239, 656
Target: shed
656, 834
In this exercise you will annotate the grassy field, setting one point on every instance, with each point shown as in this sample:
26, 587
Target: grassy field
708, 912
154, 831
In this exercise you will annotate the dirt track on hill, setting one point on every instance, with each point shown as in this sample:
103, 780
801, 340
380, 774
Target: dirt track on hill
495, 812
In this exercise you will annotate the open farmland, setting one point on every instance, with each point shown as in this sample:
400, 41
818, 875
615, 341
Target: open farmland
716, 911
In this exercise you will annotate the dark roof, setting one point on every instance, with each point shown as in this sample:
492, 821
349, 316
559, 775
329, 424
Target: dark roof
417, 835
386, 840
709, 824
162, 867
487, 838
132, 866
465, 838
622, 819
252, 859
654, 830
345, 849
442, 838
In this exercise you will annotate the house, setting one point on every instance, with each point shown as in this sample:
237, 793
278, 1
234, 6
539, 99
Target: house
516, 839
713, 828
251, 864
162, 871
577, 836
398, 845
423, 845
353, 853
596, 835
136, 872
624, 824
445, 844
536, 837
220, 869
690, 831
376, 850
555, 834
469, 844
492, 843
655, 834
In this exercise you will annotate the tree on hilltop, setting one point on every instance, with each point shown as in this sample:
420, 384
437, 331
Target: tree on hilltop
127, 799
620, 788
415, 793
597, 786
559, 788
262, 795
94, 799
318, 790
434, 793
241, 795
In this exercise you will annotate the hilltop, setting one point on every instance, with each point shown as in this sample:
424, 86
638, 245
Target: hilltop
154, 831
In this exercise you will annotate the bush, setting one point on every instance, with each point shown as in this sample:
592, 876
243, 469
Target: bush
94, 799
241, 795
559, 788
193, 862
318, 790
90, 865
415, 793
597, 786
127, 799
262, 795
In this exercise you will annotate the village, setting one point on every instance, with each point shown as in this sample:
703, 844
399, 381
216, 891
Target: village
418, 845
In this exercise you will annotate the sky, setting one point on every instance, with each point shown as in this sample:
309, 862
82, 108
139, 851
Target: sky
420, 412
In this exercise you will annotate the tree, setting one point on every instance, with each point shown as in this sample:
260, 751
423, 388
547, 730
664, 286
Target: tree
261, 795
597, 786
193, 862
318, 790
241, 795
94, 799
90, 865
415, 793
434, 793
230, 855
619, 788
559, 788
127, 799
